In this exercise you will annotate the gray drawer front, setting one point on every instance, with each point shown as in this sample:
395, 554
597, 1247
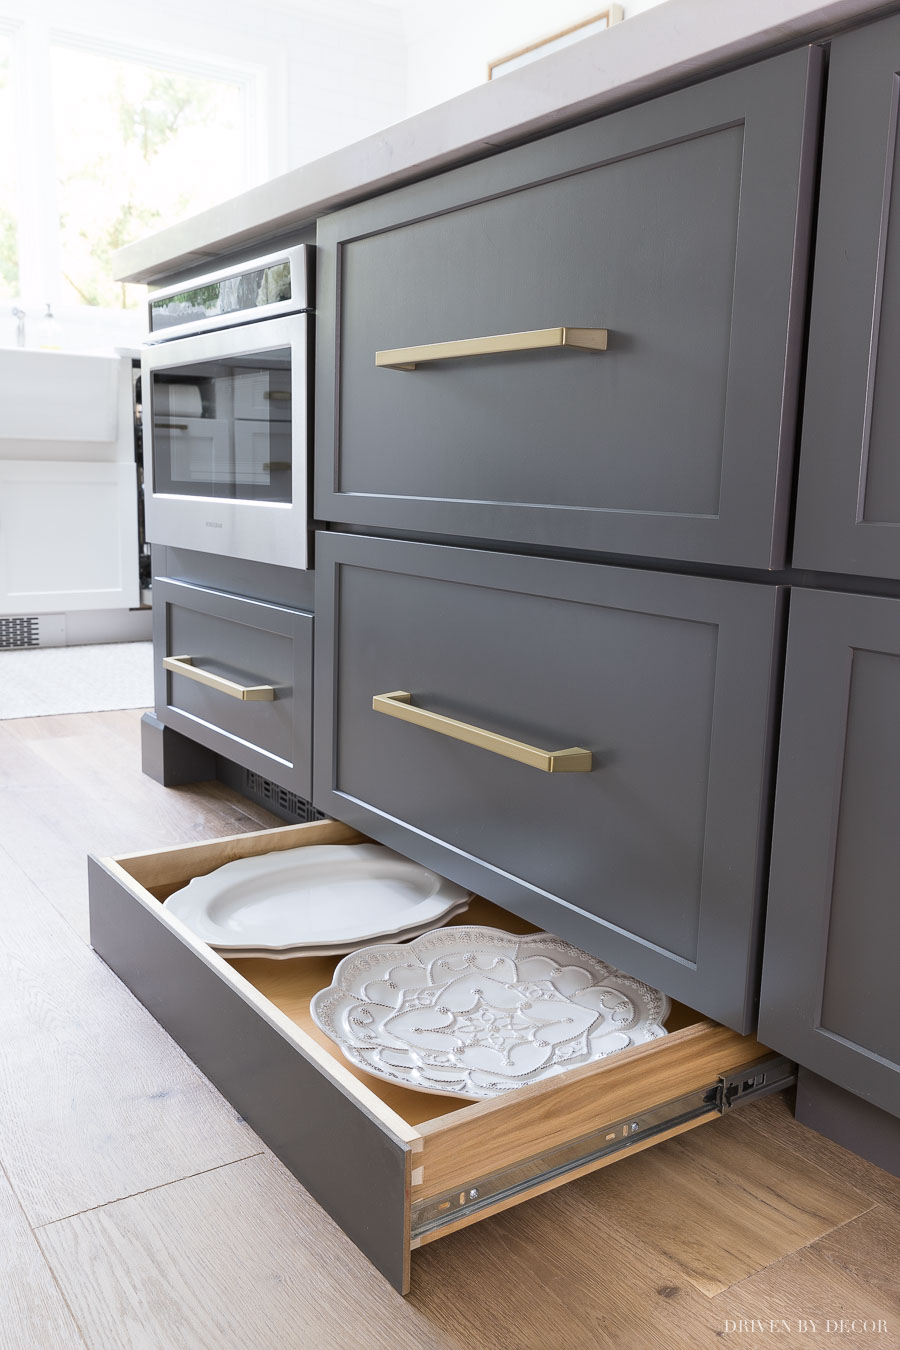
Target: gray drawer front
355, 1169
676, 226
237, 576
829, 994
848, 503
252, 644
652, 860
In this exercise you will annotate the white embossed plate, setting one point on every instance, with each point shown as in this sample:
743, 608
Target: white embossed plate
321, 895
474, 1012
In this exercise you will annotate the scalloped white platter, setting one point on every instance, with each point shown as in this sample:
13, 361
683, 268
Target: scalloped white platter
321, 896
473, 1012
292, 953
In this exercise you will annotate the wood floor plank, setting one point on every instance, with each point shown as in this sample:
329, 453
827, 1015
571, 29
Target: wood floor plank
95, 762
238, 1259
626, 1290
773, 1117
554, 1274
76, 789
33, 1312
721, 1204
868, 1250
68, 894
851, 1275
98, 1102
716, 1205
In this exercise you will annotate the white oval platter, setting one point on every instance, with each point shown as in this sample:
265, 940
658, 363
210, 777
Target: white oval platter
474, 1012
322, 895
292, 953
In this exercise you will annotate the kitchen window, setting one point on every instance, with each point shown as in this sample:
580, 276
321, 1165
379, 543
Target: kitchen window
9, 251
108, 144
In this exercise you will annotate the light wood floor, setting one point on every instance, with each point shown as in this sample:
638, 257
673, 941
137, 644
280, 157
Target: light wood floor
138, 1210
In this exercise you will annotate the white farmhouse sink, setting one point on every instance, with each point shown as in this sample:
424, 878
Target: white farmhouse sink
68, 483
58, 396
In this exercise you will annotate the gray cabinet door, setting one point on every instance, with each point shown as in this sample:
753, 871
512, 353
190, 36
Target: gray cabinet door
848, 503
679, 226
829, 992
248, 644
653, 859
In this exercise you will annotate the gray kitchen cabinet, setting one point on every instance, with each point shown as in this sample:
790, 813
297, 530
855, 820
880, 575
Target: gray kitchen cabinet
829, 990
648, 696
235, 675
676, 231
848, 503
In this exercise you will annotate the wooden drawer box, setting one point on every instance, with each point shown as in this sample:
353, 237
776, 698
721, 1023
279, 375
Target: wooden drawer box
395, 1168
679, 229
235, 675
652, 857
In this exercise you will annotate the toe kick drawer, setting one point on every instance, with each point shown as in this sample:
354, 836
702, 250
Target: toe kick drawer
394, 1167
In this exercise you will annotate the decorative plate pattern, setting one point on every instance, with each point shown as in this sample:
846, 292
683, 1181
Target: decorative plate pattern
474, 1012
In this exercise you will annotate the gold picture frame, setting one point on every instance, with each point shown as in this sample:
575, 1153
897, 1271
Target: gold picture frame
555, 41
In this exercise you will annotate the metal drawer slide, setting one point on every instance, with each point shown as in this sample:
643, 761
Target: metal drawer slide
764, 1076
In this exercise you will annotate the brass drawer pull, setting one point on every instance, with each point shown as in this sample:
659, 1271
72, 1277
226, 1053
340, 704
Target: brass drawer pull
278, 394
184, 665
399, 704
170, 426
407, 358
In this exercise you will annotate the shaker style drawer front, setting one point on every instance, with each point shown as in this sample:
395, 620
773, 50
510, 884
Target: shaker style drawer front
236, 676
394, 1167
586, 745
829, 992
588, 342
848, 501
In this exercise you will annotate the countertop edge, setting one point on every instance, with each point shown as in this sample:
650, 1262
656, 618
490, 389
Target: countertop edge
613, 68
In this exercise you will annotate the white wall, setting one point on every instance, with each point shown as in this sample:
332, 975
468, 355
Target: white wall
328, 72
325, 73
450, 44
331, 70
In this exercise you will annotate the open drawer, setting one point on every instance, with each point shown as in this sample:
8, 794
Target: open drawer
394, 1167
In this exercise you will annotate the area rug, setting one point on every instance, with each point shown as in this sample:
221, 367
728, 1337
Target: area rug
49, 681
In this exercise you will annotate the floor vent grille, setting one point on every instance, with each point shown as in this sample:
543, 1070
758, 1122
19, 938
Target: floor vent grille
268, 793
19, 630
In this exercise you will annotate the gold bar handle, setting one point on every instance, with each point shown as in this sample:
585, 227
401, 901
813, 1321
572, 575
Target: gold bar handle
407, 358
399, 704
184, 665
171, 426
284, 395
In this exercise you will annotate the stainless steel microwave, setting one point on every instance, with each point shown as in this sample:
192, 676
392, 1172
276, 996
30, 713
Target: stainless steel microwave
226, 380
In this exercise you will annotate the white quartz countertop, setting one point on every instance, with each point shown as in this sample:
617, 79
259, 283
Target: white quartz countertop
657, 50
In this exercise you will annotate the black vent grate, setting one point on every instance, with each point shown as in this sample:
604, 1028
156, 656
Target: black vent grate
267, 792
19, 631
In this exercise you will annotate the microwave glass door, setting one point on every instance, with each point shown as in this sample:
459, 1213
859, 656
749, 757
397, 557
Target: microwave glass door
222, 427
